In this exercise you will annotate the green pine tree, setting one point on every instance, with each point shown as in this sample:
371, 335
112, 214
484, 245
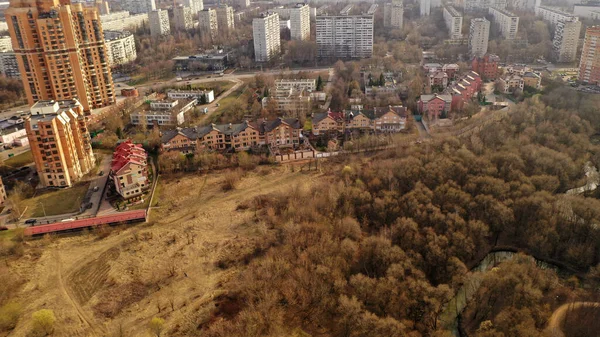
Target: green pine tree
319, 83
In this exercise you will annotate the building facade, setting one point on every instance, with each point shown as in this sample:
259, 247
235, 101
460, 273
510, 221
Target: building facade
486, 66
138, 6
9, 66
159, 23
552, 15
225, 19
393, 14
424, 7
123, 21
345, 36
453, 20
589, 64
194, 5
129, 170
120, 47
479, 36
208, 22
587, 11
300, 22
566, 40
267, 43
60, 142
483, 5
61, 52
183, 18
507, 22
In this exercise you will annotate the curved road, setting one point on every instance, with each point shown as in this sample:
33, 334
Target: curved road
558, 316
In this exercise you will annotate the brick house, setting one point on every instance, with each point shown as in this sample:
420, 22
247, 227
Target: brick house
486, 66
438, 78
434, 106
356, 120
532, 79
327, 122
129, 170
390, 119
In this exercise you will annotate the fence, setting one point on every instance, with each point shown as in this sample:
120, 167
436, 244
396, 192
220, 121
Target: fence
298, 155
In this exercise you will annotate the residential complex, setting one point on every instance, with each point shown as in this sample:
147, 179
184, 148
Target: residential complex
587, 11
486, 66
483, 5
120, 47
290, 101
299, 84
507, 22
123, 20
435, 106
345, 36
566, 40
225, 20
208, 22
277, 133
389, 119
159, 23
61, 52
163, 112
267, 43
60, 142
589, 64
424, 7
201, 96
552, 15
479, 35
138, 6
300, 22
129, 170
453, 21
393, 14
194, 5
183, 18
511, 83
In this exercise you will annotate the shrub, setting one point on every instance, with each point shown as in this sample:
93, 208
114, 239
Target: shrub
9, 315
156, 326
43, 321
231, 179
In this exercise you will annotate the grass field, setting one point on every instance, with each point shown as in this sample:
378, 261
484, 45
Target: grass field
57, 202
20, 160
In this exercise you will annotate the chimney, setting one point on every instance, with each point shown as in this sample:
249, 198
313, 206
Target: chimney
229, 126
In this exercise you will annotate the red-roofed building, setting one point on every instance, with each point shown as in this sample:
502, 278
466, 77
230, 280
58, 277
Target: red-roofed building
129, 170
486, 66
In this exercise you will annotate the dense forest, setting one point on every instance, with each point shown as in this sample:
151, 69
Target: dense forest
384, 241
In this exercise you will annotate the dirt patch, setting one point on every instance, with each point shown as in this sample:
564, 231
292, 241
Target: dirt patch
86, 281
227, 306
115, 299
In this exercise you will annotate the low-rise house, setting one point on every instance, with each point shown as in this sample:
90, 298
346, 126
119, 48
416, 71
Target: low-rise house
327, 122
451, 70
180, 139
518, 69
129, 170
214, 60
438, 78
486, 66
303, 84
389, 119
201, 96
511, 83
357, 120
435, 106
532, 79
163, 112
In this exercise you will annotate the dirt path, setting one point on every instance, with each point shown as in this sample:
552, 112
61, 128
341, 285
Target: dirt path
67, 295
558, 316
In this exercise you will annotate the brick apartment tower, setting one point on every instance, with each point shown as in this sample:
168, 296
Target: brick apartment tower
589, 65
60, 142
61, 52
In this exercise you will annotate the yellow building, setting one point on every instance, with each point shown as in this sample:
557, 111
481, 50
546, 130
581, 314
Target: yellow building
60, 142
61, 52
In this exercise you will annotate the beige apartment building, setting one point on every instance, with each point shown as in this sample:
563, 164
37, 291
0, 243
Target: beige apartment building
207, 21
225, 19
60, 142
61, 52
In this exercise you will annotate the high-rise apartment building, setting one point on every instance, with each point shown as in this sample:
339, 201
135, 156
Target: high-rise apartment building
194, 5
123, 21
60, 142
183, 18
159, 23
478, 5
102, 6
393, 14
479, 35
589, 64
453, 21
552, 15
507, 22
120, 47
425, 7
344, 36
138, 6
208, 22
225, 19
566, 40
61, 52
244, 3
267, 41
300, 22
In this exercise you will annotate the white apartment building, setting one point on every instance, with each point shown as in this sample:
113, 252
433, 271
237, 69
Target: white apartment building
507, 22
122, 20
425, 7
552, 15
244, 3
479, 36
453, 21
566, 40
393, 14
299, 84
528, 5
225, 19
6, 43
587, 11
194, 5
300, 22
477, 5
208, 22
267, 41
344, 36
120, 47
138, 6
183, 19
8, 64
159, 23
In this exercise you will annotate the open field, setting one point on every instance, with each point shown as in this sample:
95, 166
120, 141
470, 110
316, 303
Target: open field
173, 267
20, 160
57, 202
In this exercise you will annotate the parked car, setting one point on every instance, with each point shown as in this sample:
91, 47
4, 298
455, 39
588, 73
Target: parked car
96, 188
30, 221
101, 173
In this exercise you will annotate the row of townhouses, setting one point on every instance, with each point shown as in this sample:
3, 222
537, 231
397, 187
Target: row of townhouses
381, 119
